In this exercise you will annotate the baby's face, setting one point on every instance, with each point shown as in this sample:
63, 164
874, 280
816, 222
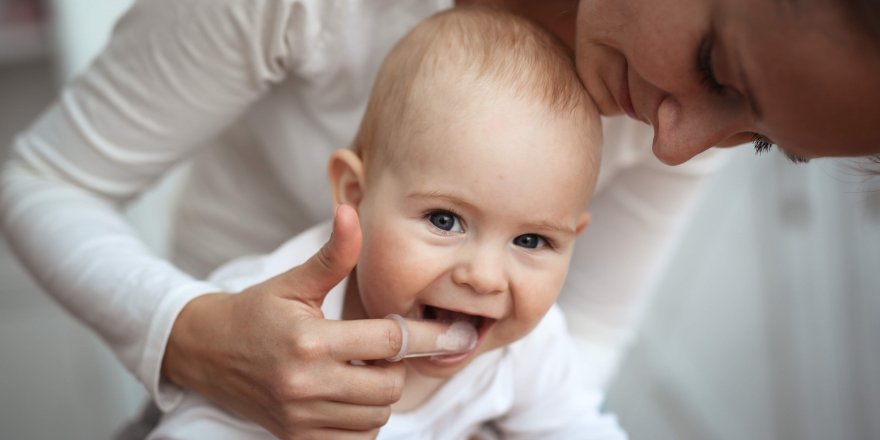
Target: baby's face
476, 221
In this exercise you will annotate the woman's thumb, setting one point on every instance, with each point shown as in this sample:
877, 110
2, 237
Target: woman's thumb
311, 281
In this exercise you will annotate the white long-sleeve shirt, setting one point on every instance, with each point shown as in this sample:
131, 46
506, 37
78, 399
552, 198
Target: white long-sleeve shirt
258, 93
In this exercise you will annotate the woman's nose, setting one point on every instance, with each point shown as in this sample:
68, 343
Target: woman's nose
683, 131
482, 270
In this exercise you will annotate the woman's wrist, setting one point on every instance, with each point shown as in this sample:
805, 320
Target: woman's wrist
191, 335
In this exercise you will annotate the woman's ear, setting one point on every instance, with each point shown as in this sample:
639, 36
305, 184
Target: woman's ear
346, 173
582, 223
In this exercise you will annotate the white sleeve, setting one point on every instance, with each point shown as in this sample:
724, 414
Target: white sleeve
549, 402
173, 76
637, 220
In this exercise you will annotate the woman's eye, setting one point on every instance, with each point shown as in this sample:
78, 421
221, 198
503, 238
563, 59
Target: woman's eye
446, 221
530, 241
706, 68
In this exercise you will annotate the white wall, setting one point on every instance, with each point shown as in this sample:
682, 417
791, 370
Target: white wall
764, 326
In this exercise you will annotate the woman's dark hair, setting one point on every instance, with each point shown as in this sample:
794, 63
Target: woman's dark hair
866, 13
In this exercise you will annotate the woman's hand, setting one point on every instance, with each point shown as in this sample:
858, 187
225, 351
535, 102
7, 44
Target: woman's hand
268, 355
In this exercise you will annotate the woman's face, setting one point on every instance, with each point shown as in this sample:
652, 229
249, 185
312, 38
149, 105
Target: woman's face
721, 72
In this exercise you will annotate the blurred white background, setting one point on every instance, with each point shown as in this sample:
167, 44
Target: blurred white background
761, 328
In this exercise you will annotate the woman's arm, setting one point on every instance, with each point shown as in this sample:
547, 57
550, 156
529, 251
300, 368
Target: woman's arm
174, 75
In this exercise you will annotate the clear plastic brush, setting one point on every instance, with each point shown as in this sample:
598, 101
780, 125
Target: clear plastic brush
435, 338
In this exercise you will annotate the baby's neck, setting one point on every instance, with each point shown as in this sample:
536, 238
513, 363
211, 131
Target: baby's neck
417, 389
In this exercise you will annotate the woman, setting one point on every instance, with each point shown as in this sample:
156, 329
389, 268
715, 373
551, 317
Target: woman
260, 93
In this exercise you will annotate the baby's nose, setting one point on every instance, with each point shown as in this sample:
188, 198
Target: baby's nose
483, 271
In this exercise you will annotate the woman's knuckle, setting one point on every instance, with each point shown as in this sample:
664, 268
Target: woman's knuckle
309, 346
394, 337
297, 418
296, 387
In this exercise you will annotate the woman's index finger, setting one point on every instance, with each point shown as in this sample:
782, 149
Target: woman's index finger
374, 339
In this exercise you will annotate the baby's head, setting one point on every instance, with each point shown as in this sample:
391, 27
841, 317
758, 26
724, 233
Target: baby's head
471, 174
455, 61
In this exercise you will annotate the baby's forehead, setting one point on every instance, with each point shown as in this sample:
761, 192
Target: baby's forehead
519, 183
500, 133
483, 110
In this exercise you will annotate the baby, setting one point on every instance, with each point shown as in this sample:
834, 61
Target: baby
470, 175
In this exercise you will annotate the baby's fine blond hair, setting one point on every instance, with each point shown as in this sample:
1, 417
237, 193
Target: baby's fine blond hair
472, 46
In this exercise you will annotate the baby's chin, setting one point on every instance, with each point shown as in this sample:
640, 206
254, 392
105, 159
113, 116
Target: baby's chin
445, 366
442, 366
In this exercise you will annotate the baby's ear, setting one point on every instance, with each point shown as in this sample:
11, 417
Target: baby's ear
582, 223
346, 173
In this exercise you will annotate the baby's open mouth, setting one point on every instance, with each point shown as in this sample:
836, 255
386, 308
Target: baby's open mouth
432, 313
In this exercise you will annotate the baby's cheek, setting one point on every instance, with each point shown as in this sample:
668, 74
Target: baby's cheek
384, 251
382, 285
528, 312
534, 311
536, 294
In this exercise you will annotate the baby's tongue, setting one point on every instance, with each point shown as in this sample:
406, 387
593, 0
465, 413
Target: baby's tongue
462, 333
431, 337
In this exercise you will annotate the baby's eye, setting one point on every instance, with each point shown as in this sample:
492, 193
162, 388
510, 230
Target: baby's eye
446, 221
530, 241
